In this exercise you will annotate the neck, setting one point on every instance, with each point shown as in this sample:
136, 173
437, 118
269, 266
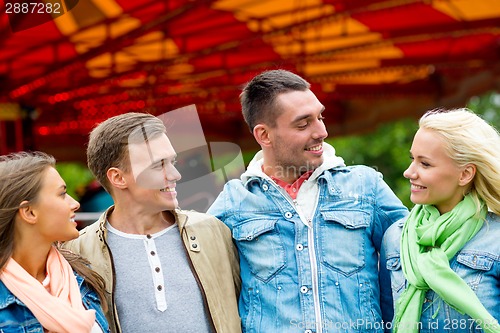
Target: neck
139, 222
33, 259
280, 172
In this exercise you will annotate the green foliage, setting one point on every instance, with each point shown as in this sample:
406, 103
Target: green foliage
386, 150
488, 106
76, 175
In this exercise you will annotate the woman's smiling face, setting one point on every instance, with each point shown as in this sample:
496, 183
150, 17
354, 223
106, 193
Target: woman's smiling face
434, 177
55, 209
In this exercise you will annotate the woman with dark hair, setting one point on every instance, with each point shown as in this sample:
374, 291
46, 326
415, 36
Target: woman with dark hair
42, 288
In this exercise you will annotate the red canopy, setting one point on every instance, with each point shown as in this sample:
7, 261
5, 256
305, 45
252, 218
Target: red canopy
368, 61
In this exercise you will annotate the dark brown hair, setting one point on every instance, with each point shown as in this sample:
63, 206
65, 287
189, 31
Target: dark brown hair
258, 98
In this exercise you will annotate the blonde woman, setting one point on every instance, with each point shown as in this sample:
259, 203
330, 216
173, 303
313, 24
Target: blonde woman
42, 288
445, 258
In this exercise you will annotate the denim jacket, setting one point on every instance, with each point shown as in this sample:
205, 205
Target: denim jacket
478, 264
15, 317
318, 278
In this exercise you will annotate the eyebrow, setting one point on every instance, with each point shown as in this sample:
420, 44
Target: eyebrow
305, 116
419, 156
173, 157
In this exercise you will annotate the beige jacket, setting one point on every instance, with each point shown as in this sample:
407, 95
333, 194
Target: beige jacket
213, 258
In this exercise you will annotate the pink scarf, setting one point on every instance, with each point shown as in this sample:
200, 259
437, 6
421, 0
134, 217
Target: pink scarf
59, 311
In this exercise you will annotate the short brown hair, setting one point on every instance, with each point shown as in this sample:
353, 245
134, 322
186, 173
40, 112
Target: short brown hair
258, 98
108, 142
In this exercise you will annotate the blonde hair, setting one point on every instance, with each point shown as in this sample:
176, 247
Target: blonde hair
469, 139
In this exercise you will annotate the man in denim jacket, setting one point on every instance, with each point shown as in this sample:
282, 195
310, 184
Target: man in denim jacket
308, 229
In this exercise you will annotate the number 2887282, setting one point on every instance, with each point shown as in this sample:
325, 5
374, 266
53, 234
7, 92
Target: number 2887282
52, 7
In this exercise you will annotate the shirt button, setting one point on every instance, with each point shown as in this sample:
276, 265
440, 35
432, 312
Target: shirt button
152, 253
265, 187
288, 215
193, 237
299, 247
194, 246
148, 236
304, 289
308, 331
294, 189
159, 288
157, 269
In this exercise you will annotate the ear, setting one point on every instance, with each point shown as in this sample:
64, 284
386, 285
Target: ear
467, 175
116, 179
27, 212
262, 135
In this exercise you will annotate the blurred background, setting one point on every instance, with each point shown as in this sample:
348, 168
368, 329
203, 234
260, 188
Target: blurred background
377, 66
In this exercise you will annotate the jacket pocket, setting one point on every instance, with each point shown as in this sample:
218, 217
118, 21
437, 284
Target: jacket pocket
343, 239
260, 243
398, 280
472, 266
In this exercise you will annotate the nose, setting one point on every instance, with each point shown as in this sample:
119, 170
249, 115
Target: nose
171, 173
320, 132
409, 173
75, 205
176, 174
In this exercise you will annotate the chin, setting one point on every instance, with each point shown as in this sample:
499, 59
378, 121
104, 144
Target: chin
69, 237
171, 206
416, 201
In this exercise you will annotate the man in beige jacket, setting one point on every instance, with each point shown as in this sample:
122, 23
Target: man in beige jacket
166, 270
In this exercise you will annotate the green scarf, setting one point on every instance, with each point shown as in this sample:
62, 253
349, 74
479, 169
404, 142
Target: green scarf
428, 242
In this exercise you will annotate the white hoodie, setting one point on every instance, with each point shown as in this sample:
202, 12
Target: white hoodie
309, 189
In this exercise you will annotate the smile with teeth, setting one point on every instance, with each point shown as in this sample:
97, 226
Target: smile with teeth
315, 148
417, 187
168, 189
